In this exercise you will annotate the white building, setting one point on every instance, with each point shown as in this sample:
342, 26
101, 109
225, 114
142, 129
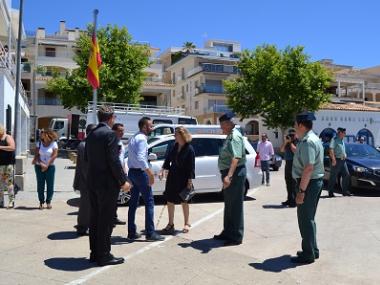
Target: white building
8, 37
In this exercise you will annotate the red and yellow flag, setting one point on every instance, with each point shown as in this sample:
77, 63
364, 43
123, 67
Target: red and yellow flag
94, 63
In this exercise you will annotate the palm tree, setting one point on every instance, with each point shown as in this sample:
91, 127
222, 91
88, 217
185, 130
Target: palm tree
188, 47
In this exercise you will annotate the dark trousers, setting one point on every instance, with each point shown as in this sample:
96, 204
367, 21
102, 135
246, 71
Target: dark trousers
339, 168
103, 204
290, 182
141, 186
265, 169
46, 177
83, 222
306, 215
233, 224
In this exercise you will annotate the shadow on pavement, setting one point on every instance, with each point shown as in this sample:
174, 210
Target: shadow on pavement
203, 245
276, 264
275, 206
68, 263
74, 202
26, 208
73, 213
63, 235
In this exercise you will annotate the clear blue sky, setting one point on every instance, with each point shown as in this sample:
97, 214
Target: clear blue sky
346, 31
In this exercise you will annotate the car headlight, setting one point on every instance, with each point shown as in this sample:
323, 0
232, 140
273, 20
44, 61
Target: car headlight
360, 169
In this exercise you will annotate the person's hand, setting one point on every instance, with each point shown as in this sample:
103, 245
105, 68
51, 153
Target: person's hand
44, 167
161, 174
287, 139
333, 162
226, 182
126, 187
34, 161
189, 183
151, 178
299, 198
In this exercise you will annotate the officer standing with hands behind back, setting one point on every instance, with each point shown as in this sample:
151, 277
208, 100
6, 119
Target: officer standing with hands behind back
308, 170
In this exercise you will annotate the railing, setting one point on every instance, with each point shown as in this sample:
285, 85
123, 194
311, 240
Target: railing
204, 88
123, 107
210, 67
217, 109
48, 101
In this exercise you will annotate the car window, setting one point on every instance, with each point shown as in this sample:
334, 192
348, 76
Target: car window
161, 149
207, 146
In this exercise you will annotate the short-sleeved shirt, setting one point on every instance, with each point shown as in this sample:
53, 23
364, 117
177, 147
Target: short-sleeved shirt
233, 147
309, 151
339, 148
46, 152
289, 154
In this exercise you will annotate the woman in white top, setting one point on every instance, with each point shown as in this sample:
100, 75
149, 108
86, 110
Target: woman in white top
45, 154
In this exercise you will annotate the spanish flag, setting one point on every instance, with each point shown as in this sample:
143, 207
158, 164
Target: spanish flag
94, 63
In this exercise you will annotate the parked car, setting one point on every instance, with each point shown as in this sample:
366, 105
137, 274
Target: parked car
207, 175
274, 164
363, 162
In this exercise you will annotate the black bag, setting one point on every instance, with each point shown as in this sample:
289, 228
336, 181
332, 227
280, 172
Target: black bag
187, 193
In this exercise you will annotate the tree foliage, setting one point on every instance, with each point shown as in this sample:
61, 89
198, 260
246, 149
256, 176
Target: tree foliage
121, 73
277, 84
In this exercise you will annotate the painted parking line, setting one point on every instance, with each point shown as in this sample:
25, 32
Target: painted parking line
148, 247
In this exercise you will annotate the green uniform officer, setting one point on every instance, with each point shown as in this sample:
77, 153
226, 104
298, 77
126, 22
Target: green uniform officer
308, 170
338, 165
231, 164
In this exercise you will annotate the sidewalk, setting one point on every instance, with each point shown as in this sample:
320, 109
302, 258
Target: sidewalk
40, 247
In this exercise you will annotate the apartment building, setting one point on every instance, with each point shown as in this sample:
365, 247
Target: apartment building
197, 76
47, 55
8, 39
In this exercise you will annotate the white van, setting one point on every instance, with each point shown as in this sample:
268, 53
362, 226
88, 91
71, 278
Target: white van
130, 114
167, 129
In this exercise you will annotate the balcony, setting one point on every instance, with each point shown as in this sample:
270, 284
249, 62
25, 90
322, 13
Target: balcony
217, 109
49, 101
26, 67
215, 68
205, 88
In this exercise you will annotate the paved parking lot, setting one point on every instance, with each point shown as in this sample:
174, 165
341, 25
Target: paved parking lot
40, 247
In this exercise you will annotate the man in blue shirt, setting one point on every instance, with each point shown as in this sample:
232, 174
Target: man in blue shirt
142, 178
338, 163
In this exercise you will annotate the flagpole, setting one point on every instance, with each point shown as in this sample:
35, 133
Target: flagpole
95, 91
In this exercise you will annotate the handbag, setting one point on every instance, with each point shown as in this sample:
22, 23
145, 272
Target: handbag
187, 193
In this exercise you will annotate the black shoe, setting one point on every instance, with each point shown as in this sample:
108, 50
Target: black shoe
231, 242
134, 236
92, 257
118, 222
111, 261
168, 230
299, 253
285, 203
83, 233
331, 195
301, 260
292, 205
154, 237
219, 237
347, 194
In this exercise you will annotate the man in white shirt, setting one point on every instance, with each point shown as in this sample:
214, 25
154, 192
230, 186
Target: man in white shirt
266, 152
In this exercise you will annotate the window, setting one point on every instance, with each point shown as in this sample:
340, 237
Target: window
207, 146
50, 52
187, 87
58, 125
173, 93
196, 105
161, 149
162, 121
162, 131
187, 121
173, 80
183, 73
183, 91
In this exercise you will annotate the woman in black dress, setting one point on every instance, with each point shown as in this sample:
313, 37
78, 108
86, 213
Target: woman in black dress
180, 164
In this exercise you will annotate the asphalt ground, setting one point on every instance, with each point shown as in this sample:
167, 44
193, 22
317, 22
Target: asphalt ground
41, 247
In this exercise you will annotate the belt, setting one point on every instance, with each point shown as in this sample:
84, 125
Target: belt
136, 169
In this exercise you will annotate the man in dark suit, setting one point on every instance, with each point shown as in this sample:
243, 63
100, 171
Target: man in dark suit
80, 184
105, 179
